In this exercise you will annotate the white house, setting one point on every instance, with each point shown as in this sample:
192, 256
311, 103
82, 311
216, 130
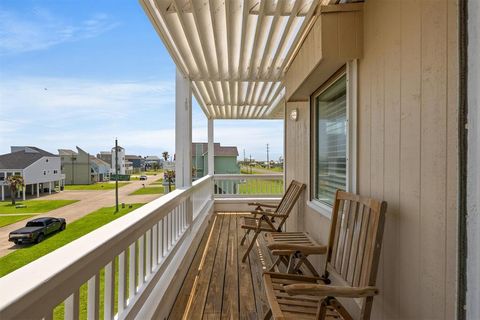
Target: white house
40, 170
121, 160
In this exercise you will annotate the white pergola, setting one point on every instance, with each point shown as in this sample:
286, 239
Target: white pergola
232, 55
234, 52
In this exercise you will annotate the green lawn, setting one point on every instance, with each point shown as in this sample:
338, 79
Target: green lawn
157, 182
96, 186
262, 187
6, 220
33, 206
150, 190
151, 172
74, 230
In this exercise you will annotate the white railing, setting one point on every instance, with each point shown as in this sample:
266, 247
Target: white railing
248, 185
134, 258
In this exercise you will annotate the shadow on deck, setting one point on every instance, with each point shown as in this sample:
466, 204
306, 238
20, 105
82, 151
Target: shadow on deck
218, 285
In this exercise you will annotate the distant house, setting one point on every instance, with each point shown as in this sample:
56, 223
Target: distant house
40, 170
82, 168
109, 157
100, 169
225, 159
138, 163
105, 156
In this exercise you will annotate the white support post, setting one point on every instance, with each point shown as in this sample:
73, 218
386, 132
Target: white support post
183, 131
3, 193
38, 190
211, 148
24, 191
31, 189
50, 187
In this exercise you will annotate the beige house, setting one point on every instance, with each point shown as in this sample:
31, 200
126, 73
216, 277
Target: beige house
374, 98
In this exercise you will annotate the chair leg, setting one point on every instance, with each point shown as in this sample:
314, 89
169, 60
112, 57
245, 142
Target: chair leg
245, 237
275, 264
250, 246
310, 267
268, 315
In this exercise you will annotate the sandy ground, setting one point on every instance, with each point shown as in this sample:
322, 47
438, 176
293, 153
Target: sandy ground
89, 201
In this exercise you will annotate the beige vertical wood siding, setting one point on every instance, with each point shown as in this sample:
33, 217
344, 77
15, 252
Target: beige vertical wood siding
407, 152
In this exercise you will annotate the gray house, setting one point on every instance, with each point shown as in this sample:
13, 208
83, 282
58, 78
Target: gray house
82, 168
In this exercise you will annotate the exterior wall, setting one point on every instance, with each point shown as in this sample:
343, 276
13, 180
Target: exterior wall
407, 153
34, 172
473, 173
121, 160
223, 165
76, 168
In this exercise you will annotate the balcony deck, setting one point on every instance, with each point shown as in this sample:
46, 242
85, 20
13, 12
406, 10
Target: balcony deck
218, 284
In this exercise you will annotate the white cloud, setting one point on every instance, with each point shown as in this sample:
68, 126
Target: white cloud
55, 113
40, 29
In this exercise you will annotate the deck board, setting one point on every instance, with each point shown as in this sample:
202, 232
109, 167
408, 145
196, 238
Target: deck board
218, 285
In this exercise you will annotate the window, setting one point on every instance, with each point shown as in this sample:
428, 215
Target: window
330, 139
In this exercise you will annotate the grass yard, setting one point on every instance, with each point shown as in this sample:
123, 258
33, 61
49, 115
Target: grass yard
33, 206
262, 187
6, 220
74, 230
151, 172
96, 186
150, 190
157, 182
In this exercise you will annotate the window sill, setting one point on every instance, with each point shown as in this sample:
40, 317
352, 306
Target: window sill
320, 208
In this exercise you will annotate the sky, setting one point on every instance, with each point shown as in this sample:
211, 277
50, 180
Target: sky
81, 73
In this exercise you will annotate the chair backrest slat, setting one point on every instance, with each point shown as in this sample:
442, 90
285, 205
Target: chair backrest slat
355, 241
288, 201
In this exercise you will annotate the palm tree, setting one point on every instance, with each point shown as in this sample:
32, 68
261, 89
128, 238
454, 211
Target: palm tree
165, 155
169, 175
15, 183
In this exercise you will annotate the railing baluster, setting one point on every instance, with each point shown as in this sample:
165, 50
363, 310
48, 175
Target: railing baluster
132, 270
148, 258
93, 297
165, 235
72, 306
141, 261
109, 299
161, 240
175, 224
122, 281
155, 246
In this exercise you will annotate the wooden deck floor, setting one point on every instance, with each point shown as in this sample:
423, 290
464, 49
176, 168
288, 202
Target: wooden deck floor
218, 285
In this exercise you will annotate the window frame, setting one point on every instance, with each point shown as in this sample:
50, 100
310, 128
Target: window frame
350, 70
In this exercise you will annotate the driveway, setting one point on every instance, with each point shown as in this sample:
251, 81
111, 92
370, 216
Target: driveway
89, 201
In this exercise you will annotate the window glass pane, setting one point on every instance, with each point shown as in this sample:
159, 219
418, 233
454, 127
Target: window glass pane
331, 141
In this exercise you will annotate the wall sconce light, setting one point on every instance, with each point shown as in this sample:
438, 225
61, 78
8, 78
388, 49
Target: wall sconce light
294, 114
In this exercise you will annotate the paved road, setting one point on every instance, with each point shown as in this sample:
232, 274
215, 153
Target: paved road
89, 200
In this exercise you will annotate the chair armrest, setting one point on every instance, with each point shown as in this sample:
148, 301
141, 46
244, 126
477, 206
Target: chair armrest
262, 205
268, 213
282, 248
330, 291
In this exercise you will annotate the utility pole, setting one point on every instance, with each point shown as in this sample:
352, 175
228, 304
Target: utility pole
268, 157
116, 175
250, 163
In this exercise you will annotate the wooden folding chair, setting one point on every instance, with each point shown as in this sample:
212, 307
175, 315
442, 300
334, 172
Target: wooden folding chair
349, 277
266, 221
